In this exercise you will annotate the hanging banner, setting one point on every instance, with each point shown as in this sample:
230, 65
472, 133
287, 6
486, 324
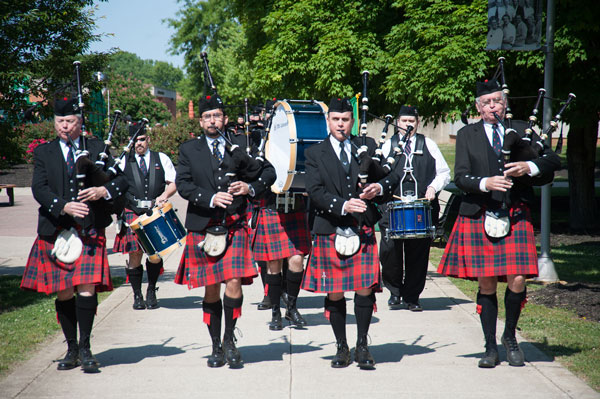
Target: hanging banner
514, 25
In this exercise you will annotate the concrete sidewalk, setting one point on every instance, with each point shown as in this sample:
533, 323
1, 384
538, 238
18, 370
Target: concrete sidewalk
162, 353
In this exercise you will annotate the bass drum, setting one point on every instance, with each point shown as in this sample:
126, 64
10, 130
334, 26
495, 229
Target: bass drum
297, 124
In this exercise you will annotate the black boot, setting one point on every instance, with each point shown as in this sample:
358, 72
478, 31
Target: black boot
67, 316
513, 302
265, 303
135, 279
86, 310
362, 355
342, 355
292, 314
275, 324
217, 357
153, 271
231, 306
490, 359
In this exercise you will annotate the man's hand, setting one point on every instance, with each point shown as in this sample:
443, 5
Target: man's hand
92, 194
430, 193
76, 209
516, 169
370, 191
161, 200
355, 205
238, 188
498, 183
222, 199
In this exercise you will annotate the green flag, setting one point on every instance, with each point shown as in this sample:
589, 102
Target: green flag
354, 102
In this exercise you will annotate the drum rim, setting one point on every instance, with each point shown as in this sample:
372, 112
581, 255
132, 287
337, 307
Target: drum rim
144, 219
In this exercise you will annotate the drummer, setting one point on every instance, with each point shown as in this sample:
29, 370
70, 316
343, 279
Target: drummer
431, 174
151, 177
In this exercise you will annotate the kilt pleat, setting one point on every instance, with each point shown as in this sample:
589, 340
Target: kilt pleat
328, 271
197, 269
45, 273
281, 235
470, 253
126, 240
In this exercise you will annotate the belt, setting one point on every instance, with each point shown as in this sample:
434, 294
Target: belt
143, 204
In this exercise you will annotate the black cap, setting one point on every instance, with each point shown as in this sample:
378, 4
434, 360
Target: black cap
257, 109
134, 128
340, 105
487, 87
408, 110
209, 102
270, 103
66, 106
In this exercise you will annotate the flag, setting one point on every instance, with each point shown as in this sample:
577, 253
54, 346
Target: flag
354, 102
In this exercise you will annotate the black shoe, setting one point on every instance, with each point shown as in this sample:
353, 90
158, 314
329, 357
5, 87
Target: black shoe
151, 300
292, 314
138, 301
275, 324
89, 364
285, 298
395, 302
490, 359
414, 307
363, 356
342, 356
514, 354
232, 354
71, 359
217, 357
265, 303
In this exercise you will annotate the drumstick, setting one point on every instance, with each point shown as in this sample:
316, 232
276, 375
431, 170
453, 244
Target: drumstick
400, 198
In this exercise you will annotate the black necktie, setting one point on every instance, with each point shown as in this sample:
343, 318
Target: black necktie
70, 160
344, 158
143, 166
496, 140
216, 153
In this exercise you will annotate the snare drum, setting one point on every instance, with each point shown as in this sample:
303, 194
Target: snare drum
160, 233
297, 124
410, 220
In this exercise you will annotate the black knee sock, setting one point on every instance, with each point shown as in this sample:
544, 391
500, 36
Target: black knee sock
135, 278
273, 284
294, 279
153, 271
488, 314
67, 316
262, 266
337, 317
213, 313
363, 310
233, 310
513, 302
86, 311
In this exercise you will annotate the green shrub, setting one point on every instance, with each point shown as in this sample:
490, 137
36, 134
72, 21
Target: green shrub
168, 138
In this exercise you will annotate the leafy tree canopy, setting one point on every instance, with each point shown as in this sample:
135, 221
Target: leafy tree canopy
157, 73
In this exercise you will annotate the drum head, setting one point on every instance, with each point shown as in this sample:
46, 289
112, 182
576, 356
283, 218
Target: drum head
295, 126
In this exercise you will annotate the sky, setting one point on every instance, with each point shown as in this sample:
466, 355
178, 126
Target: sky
138, 28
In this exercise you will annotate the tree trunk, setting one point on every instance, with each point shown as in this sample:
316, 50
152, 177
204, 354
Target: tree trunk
581, 155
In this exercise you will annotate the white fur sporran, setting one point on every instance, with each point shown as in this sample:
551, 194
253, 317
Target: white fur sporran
497, 223
68, 246
215, 241
347, 241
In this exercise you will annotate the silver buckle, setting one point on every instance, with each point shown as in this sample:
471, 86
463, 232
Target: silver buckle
287, 200
146, 204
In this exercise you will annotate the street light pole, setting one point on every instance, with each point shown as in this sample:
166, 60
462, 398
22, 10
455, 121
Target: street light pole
547, 272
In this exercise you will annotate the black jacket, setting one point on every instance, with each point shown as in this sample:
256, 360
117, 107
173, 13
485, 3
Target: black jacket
475, 160
50, 187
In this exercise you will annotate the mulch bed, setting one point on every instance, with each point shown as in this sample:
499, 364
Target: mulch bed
582, 298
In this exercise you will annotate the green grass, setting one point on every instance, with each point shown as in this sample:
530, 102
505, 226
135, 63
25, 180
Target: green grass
559, 333
27, 319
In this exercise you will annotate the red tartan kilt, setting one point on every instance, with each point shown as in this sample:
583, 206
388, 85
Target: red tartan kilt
281, 235
126, 240
328, 271
44, 273
470, 253
197, 269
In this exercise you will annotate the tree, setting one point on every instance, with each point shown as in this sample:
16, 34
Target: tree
133, 98
157, 73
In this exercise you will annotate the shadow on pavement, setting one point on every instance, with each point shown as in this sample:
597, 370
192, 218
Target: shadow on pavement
135, 354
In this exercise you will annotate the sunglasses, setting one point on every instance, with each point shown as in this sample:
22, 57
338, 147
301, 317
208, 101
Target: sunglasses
141, 139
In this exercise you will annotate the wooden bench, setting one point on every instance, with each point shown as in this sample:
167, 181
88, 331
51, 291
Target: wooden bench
10, 190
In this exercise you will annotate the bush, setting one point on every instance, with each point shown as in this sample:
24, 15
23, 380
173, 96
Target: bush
168, 138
